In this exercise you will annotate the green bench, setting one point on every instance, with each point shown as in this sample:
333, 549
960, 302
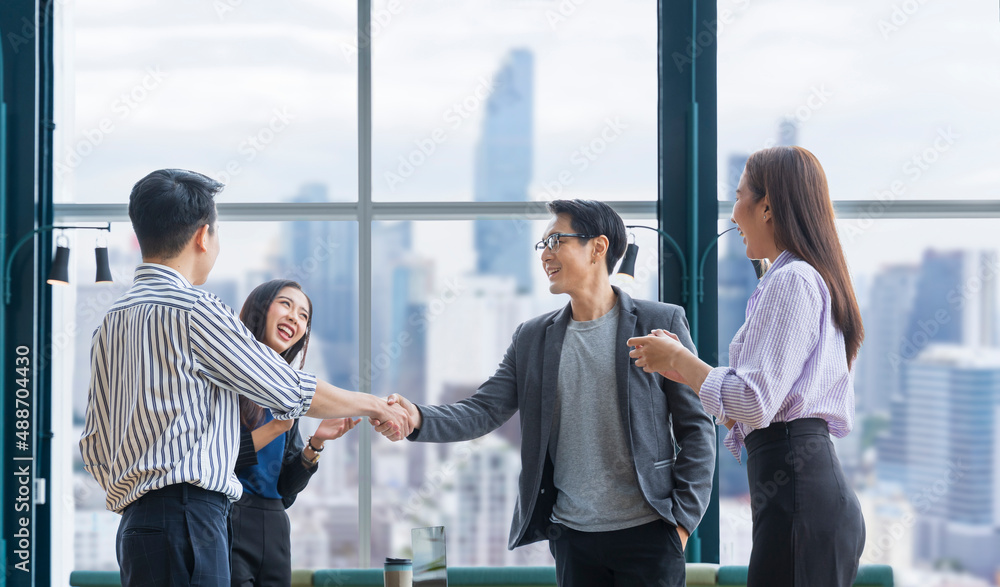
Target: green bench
698, 575
868, 576
457, 577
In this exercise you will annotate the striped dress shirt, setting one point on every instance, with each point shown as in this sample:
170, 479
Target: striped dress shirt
167, 366
788, 361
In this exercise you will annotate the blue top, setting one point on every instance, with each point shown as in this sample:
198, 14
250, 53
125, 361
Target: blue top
262, 479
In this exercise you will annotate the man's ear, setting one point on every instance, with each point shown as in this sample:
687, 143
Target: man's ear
600, 244
201, 239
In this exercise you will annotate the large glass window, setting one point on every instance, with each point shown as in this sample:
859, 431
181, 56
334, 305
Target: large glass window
892, 97
514, 101
498, 102
261, 97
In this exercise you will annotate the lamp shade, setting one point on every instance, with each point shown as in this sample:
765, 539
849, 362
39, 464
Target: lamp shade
59, 272
627, 267
103, 266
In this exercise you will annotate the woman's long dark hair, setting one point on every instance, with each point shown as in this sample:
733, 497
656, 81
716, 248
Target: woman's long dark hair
254, 316
804, 223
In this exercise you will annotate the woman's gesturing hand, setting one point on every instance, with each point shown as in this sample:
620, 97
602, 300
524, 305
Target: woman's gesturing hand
658, 352
334, 428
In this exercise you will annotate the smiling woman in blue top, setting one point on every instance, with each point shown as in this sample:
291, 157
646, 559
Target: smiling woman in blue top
789, 383
274, 464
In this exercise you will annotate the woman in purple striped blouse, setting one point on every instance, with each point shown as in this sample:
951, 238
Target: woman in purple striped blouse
789, 384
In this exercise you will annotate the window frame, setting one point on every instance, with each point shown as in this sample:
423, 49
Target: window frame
684, 130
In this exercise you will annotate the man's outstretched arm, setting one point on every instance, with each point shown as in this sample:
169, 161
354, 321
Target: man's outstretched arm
330, 401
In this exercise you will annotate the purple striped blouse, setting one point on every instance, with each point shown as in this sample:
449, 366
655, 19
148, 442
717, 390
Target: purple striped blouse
787, 361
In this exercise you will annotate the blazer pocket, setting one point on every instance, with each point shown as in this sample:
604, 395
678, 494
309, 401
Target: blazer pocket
663, 464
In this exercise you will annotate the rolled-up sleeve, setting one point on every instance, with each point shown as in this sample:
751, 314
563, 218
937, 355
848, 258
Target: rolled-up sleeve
777, 342
229, 355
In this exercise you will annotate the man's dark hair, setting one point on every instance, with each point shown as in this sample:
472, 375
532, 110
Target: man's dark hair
167, 207
595, 218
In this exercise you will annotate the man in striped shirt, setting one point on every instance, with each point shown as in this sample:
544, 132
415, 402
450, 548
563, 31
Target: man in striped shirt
167, 366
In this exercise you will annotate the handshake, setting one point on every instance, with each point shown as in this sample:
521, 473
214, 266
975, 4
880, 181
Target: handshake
396, 418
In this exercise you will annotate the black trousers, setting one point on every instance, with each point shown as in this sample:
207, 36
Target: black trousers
650, 554
807, 524
262, 550
178, 535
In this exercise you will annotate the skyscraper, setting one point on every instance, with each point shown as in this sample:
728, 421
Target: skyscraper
886, 321
935, 318
323, 258
487, 492
952, 447
788, 132
504, 169
953, 302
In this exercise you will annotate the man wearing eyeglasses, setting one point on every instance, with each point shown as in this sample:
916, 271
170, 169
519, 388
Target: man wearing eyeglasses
616, 463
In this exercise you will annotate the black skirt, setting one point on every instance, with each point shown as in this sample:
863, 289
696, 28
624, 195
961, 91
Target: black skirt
807, 524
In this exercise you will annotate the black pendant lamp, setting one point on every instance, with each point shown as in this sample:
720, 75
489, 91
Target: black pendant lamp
59, 272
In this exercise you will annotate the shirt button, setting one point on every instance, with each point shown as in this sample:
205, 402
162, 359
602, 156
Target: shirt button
543, 491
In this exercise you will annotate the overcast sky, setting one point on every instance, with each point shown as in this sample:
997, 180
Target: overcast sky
873, 84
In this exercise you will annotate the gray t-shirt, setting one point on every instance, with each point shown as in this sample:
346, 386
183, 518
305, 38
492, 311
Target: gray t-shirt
594, 474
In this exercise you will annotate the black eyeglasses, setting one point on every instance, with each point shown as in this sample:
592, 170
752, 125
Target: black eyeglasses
551, 242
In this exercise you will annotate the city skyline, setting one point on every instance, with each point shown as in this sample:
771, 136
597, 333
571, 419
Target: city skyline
870, 116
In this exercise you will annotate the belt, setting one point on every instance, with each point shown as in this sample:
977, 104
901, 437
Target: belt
186, 491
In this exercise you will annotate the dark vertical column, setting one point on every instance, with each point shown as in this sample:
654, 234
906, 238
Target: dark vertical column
688, 205
42, 565
26, 202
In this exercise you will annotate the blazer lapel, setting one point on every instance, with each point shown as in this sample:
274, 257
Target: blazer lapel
555, 334
623, 363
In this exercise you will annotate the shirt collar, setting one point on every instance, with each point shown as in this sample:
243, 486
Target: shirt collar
157, 272
783, 259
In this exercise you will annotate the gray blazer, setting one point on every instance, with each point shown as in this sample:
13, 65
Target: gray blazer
672, 439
